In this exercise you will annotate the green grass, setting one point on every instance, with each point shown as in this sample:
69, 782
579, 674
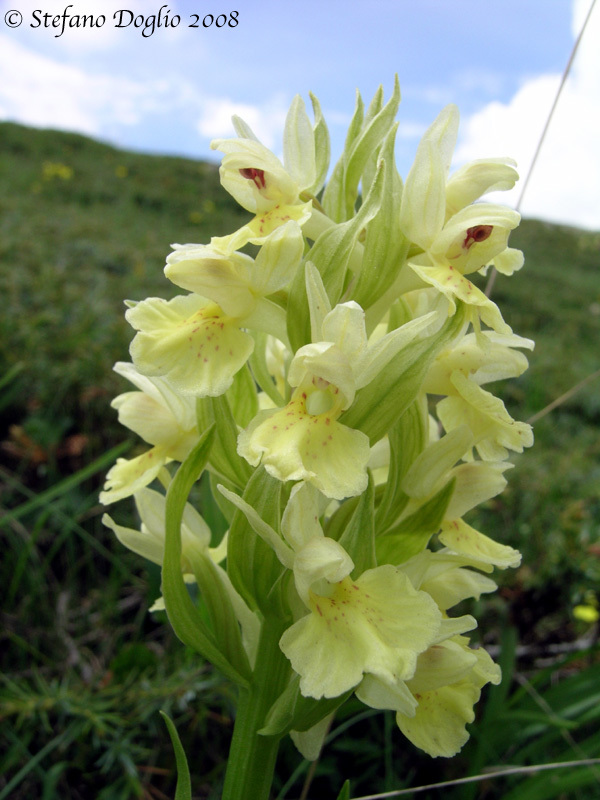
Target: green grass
73, 245
86, 668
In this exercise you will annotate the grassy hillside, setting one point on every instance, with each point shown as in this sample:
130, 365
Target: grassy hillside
83, 226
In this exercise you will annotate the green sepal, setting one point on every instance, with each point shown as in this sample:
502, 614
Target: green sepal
260, 371
379, 405
252, 565
294, 712
407, 439
184, 616
224, 623
242, 397
224, 458
410, 536
358, 538
385, 245
184, 782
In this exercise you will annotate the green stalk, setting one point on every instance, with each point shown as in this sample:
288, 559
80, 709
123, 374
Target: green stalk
252, 757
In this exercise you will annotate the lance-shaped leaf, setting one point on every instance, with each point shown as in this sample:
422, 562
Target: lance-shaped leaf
385, 245
407, 439
223, 458
252, 564
333, 196
242, 397
332, 251
410, 536
184, 616
358, 539
376, 126
184, 782
331, 255
379, 405
322, 148
424, 198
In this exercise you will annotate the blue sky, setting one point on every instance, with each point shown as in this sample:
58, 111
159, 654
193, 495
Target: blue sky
171, 92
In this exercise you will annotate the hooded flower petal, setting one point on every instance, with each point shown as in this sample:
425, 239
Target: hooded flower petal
468, 183
254, 176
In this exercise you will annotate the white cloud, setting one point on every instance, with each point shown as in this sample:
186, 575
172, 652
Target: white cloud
564, 185
37, 90
266, 121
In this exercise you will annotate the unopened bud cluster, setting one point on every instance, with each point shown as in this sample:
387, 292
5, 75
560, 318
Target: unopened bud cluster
339, 354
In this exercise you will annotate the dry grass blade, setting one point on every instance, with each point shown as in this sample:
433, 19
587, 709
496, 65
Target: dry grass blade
587, 762
565, 75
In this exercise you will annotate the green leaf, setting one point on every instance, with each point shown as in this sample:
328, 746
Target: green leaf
407, 439
332, 251
184, 783
379, 405
322, 147
358, 539
242, 397
252, 565
411, 535
258, 364
184, 616
298, 312
294, 712
224, 623
299, 145
333, 196
374, 130
336, 524
345, 792
385, 245
223, 457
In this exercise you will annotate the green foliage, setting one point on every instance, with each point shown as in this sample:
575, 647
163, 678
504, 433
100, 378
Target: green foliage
550, 510
82, 226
